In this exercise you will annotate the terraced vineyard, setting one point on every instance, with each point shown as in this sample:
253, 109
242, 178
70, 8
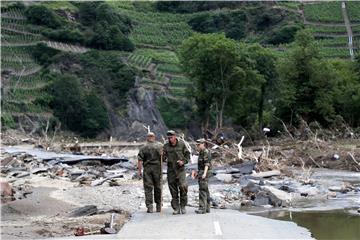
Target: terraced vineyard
23, 88
323, 12
326, 21
157, 36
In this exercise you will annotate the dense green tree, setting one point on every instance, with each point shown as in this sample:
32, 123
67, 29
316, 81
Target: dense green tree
347, 91
306, 83
68, 102
232, 23
110, 37
265, 65
95, 118
283, 34
216, 67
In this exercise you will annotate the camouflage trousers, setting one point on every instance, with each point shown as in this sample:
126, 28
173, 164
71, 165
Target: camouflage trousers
178, 188
204, 194
152, 179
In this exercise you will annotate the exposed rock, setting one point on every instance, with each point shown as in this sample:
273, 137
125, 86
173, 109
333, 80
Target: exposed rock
245, 168
141, 110
277, 197
250, 188
261, 198
226, 178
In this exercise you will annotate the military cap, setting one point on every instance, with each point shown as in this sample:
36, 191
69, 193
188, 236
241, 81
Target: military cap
150, 134
170, 133
201, 140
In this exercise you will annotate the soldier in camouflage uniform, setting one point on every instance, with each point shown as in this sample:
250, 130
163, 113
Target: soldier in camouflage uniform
150, 157
177, 155
204, 169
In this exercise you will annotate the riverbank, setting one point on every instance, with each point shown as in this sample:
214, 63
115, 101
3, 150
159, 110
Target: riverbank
72, 182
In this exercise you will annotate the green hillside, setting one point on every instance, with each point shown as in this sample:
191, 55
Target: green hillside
327, 24
148, 42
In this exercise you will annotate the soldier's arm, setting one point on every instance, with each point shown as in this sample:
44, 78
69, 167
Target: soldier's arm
140, 161
164, 154
207, 158
186, 155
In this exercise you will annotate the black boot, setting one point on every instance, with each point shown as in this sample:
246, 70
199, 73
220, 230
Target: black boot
200, 211
150, 209
158, 208
176, 211
183, 210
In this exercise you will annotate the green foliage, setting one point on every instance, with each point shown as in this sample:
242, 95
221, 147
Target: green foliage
68, 104
158, 55
108, 26
78, 111
95, 115
233, 23
194, 6
353, 9
347, 91
106, 70
258, 20
65, 34
100, 26
110, 37
172, 111
7, 121
41, 15
218, 68
324, 12
284, 34
60, 5
306, 83
43, 54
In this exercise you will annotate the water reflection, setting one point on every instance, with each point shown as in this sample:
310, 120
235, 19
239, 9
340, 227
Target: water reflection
323, 225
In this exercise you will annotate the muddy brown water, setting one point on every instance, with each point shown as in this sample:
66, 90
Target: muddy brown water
337, 224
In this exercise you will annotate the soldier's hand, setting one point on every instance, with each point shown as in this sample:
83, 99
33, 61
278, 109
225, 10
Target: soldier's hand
203, 176
193, 174
180, 162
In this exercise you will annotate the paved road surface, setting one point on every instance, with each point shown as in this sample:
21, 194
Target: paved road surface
219, 224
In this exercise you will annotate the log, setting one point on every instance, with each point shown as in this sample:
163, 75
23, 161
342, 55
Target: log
101, 181
266, 174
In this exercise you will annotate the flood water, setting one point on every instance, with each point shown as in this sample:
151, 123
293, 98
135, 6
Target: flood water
339, 224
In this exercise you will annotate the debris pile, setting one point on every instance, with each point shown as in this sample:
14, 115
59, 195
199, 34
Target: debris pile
85, 170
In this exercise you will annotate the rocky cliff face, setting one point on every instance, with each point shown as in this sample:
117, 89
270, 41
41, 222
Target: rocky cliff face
141, 111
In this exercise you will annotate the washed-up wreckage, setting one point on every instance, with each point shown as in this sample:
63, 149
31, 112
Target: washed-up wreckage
254, 177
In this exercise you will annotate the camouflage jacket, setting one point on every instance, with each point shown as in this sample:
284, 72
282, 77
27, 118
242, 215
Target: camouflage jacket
174, 153
204, 159
150, 153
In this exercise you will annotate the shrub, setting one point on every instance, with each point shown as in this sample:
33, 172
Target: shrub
95, 118
65, 34
285, 34
40, 15
43, 54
